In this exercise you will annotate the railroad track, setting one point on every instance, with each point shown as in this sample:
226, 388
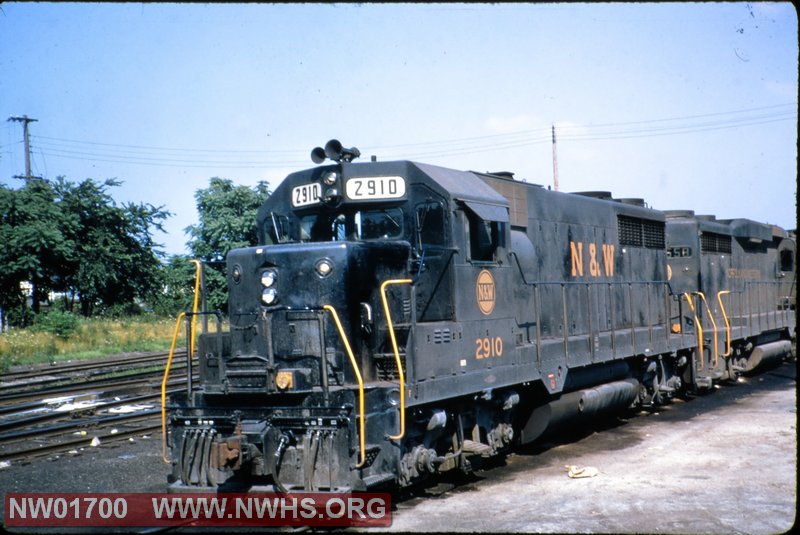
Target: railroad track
15, 397
104, 430
43, 373
79, 405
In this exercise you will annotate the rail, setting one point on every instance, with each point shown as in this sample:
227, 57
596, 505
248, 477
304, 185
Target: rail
400, 375
755, 307
362, 416
594, 296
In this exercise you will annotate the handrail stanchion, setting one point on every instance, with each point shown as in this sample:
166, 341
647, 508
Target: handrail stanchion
714, 325
197, 278
698, 329
164, 389
400, 374
728, 349
362, 423
190, 343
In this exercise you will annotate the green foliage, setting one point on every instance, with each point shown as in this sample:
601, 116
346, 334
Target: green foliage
115, 257
35, 247
59, 323
227, 218
127, 310
227, 221
72, 238
93, 337
176, 292
216, 287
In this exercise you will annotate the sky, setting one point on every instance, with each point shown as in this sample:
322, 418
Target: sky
686, 105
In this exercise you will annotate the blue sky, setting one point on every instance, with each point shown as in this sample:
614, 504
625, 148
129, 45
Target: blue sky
687, 105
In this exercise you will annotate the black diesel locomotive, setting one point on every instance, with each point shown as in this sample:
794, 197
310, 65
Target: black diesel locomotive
402, 319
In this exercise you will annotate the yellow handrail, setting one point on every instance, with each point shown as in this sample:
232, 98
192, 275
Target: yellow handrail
172, 352
194, 305
728, 350
400, 374
713, 324
361, 425
164, 389
699, 328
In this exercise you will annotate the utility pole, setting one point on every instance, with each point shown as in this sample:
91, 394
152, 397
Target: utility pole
25, 120
555, 161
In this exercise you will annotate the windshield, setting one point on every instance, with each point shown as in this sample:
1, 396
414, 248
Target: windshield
377, 224
276, 229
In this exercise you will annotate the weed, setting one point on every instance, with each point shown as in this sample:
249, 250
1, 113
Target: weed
67, 337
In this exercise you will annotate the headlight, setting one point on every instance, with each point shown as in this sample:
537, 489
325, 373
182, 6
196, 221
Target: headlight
269, 296
268, 278
330, 178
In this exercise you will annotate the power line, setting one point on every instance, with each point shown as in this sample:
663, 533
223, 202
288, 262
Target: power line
678, 129
716, 114
150, 160
56, 147
10, 144
540, 131
165, 149
544, 132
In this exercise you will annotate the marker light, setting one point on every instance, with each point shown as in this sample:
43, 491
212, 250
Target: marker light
324, 267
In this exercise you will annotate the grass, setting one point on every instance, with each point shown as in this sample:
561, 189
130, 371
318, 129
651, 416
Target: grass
92, 338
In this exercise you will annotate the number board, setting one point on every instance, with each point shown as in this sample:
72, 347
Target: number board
306, 194
366, 188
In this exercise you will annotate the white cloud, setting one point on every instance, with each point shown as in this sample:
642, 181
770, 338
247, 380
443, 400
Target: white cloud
785, 90
510, 125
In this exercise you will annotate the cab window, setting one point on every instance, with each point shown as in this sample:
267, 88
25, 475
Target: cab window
429, 220
377, 224
484, 238
276, 229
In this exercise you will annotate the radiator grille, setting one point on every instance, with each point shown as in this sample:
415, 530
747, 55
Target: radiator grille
711, 242
636, 232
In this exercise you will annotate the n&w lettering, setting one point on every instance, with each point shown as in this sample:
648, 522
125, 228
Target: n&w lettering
596, 268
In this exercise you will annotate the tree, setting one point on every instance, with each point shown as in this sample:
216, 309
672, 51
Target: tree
36, 249
12, 300
115, 258
176, 293
227, 221
73, 238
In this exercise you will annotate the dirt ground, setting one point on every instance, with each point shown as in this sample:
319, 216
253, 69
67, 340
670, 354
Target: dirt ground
721, 463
